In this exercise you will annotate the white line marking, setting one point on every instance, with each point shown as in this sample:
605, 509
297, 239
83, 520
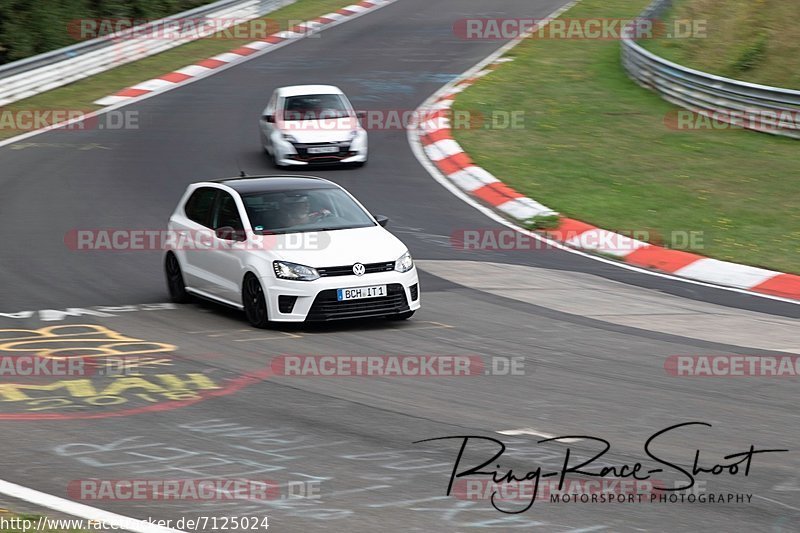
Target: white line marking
152, 85
80, 510
535, 433
257, 45
193, 70
227, 57
723, 272
106, 101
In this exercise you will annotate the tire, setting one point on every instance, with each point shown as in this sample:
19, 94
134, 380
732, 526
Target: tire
402, 316
175, 283
255, 305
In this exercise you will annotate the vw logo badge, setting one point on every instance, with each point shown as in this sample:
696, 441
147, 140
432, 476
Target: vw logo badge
359, 269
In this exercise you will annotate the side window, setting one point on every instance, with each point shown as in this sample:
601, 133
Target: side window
227, 214
198, 207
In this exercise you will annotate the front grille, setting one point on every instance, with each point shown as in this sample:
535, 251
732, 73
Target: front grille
414, 290
327, 307
347, 270
303, 155
286, 303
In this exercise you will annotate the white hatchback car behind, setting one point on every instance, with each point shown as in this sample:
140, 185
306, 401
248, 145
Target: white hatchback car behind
307, 125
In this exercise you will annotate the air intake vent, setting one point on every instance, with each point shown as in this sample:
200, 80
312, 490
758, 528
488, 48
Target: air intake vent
286, 303
414, 290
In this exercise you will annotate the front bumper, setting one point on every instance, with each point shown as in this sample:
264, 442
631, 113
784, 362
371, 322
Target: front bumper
316, 300
298, 154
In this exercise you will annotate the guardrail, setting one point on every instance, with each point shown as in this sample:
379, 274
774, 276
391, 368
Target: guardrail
758, 107
43, 72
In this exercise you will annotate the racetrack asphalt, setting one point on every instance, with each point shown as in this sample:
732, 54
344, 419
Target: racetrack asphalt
354, 436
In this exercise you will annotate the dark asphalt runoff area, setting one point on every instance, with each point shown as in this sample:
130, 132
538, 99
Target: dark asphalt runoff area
206, 403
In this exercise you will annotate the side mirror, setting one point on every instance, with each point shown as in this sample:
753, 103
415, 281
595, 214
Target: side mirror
269, 118
227, 233
361, 114
382, 220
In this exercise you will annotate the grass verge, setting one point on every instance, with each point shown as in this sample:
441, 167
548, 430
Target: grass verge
752, 41
81, 94
595, 146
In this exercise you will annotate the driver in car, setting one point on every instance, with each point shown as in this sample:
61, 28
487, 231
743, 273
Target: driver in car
298, 211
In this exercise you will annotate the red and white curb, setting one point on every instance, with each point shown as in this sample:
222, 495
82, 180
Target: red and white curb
208, 66
434, 141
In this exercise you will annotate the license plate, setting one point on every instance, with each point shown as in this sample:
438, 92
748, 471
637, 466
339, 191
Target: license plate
361, 292
323, 150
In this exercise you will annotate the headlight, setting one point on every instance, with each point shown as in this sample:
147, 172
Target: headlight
353, 134
290, 138
286, 270
405, 263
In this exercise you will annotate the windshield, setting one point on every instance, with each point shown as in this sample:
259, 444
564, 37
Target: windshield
303, 211
315, 107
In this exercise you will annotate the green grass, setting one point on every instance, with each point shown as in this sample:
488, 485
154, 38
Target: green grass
82, 94
751, 40
595, 147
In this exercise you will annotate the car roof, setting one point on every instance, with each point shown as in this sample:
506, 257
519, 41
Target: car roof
297, 90
257, 184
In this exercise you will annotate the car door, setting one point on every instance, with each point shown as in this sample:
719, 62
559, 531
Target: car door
224, 261
193, 237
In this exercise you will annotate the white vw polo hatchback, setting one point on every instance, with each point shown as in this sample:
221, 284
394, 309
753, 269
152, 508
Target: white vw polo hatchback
287, 249
312, 124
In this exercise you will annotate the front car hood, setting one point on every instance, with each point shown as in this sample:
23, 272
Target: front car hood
338, 248
320, 131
